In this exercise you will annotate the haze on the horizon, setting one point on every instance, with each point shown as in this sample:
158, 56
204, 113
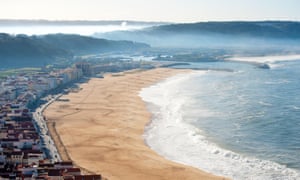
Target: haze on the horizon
154, 10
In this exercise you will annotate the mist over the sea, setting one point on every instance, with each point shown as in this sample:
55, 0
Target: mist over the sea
86, 30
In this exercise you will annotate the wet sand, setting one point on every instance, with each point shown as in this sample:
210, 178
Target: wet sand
101, 129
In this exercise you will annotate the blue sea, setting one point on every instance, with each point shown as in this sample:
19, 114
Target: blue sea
242, 124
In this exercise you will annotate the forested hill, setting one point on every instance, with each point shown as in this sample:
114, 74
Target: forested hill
215, 34
22, 50
266, 29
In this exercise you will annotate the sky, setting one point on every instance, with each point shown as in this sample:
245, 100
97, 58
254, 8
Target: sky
151, 10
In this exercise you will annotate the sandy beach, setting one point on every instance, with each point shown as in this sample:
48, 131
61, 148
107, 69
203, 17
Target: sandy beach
101, 128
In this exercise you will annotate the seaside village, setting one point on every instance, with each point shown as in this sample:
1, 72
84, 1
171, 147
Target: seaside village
22, 153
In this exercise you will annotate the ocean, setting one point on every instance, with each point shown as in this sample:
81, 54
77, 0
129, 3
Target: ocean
243, 124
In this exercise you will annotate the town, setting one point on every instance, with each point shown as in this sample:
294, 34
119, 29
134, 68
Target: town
26, 148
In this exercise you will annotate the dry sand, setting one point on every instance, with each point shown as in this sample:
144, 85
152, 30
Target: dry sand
102, 126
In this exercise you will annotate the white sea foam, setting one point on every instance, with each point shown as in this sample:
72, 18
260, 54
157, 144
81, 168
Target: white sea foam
265, 103
266, 59
170, 136
279, 81
271, 61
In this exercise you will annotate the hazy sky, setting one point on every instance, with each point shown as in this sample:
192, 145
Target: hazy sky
151, 10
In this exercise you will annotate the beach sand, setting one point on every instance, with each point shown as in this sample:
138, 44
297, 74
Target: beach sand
101, 128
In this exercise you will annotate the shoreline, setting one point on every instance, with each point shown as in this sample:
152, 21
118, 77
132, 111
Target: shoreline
101, 128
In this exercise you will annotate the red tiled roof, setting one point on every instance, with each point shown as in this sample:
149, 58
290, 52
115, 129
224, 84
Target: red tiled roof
88, 177
64, 163
54, 172
72, 170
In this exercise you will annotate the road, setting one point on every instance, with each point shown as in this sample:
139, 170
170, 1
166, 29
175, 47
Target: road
47, 143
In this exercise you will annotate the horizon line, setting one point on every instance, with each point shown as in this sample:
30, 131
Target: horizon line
142, 21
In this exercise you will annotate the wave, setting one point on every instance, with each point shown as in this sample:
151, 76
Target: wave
266, 59
265, 103
265, 62
275, 65
172, 137
279, 81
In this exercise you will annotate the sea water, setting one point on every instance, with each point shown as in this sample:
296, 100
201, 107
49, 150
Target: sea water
243, 124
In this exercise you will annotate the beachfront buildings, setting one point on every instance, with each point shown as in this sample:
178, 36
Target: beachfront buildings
26, 88
22, 155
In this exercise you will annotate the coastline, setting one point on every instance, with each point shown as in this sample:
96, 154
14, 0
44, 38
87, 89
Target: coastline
101, 129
